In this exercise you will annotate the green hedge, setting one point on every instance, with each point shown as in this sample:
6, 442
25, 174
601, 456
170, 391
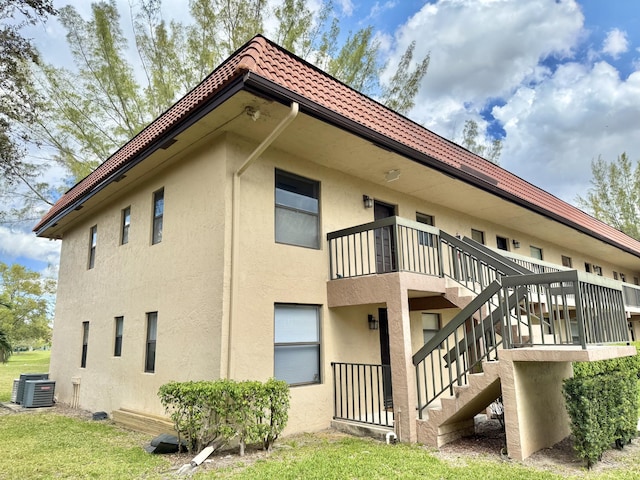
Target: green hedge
602, 402
214, 413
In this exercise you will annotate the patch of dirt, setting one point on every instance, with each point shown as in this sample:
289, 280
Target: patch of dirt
489, 442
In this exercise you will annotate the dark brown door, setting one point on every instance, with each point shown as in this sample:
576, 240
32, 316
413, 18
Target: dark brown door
385, 242
385, 357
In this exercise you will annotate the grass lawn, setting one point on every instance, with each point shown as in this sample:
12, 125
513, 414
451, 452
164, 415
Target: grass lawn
48, 445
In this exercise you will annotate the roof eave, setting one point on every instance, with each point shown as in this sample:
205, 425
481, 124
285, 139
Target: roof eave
205, 108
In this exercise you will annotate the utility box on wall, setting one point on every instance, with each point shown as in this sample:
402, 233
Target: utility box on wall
38, 393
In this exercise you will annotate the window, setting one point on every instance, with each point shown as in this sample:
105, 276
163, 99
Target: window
117, 349
536, 252
502, 243
622, 277
636, 281
615, 275
587, 267
478, 236
158, 214
566, 262
93, 241
597, 270
297, 343
425, 238
297, 219
126, 223
152, 334
430, 325
85, 343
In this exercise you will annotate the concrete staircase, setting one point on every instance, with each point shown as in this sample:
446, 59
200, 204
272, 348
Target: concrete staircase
453, 416
457, 294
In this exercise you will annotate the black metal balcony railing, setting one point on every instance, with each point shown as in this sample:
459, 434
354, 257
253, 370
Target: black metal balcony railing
389, 245
362, 393
559, 309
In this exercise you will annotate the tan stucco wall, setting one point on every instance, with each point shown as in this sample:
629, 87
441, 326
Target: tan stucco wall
181, 278
187, 280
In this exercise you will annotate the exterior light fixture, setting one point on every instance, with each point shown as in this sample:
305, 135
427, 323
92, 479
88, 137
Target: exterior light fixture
392, 175
516, 243
367, 200
373, 323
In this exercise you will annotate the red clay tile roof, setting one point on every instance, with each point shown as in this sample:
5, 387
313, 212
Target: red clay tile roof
269, 61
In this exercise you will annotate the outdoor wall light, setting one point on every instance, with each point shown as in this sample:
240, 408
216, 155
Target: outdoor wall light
373, 323
516, 243
368, 201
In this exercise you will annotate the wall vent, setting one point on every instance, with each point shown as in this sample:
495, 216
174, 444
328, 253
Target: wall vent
24, 377
38, 393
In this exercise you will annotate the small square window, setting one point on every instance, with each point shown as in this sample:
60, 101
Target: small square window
615, 275
477, 235
430, 325
502, 243
536, 252
566, 262
425, 238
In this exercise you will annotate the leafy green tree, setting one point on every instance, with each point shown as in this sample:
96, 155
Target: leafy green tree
614, 196
471, 141
19, 100
28, 295
100, 104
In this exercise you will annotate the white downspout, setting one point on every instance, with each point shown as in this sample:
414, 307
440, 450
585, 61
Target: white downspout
235, 221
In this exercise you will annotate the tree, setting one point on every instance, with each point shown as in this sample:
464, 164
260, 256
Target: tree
18, 99
101, 104
5, 348
614, 196
471, 141
28, 295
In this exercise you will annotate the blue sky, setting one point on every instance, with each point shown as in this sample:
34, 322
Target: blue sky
557, 80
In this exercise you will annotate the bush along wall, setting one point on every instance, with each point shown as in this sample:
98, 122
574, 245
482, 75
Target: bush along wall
215, 413
602, 402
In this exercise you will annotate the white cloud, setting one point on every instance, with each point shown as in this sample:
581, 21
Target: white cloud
346, 6
577, 114
559, 111
16, 244
616, 43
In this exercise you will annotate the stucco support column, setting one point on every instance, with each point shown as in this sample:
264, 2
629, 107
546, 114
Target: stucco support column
403, 378
535, 415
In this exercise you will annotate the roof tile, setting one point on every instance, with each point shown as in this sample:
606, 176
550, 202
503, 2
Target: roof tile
271, 62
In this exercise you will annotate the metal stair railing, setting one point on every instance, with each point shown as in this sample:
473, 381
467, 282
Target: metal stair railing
565, 308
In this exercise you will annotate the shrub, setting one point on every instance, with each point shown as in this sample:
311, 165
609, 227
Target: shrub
214, 413
602, 403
